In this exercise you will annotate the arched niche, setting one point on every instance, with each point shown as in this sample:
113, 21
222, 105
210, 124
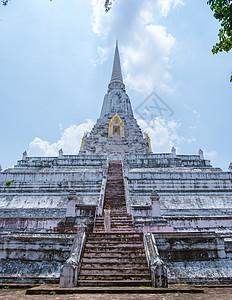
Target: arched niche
116, 127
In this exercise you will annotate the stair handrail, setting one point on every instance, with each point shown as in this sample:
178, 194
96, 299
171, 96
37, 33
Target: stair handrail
95, 218
99, 210
70, 269
158, 269
126, 189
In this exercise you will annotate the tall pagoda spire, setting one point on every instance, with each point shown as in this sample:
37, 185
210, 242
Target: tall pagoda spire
116, 77
116, 72
116, 100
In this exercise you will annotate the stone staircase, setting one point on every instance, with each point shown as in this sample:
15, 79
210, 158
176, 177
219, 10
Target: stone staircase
115, 197
116, 258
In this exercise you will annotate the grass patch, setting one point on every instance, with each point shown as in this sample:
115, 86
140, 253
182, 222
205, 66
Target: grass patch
53, 293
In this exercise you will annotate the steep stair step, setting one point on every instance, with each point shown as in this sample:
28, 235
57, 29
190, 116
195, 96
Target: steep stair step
115, 228
115, 239
109, 235
112, 242
116, 268
116, 257
122, 231
111, 276
118, 271
114, 260
115, 220
119, 283
96, 264
115, 254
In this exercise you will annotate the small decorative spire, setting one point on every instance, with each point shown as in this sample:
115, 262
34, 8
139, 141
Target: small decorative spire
83, 139
148, 139
173, 150
60, 153
230, 167
25, 155
200, 153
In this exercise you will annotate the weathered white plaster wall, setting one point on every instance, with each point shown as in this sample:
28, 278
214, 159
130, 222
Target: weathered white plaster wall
32, 201
199, 271
209, 201
52, 175
33, 257
188, 201
41, 201
30, 224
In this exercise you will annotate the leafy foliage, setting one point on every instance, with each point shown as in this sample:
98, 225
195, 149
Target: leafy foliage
4, 2
53, 293
108, 5
8, 183
222, 10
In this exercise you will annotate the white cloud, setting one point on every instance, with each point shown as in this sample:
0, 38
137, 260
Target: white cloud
210, 154
164, 134
146, 60
166, 5
70, 141
191, 140
102, 54
100, 20
145, 45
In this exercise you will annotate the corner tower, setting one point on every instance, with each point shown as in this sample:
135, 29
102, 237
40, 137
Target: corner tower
116, 131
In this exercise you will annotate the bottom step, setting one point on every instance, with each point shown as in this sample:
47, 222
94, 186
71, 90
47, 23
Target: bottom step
114, 283
55, 289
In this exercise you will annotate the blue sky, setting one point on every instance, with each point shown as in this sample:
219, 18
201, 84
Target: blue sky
56, 61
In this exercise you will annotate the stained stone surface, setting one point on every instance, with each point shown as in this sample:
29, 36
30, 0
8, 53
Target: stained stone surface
193, 196
34, 258
221, 293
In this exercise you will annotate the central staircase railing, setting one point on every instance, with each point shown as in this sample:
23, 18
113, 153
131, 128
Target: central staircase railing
99, 209
126, 188
70, 269
158, 270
